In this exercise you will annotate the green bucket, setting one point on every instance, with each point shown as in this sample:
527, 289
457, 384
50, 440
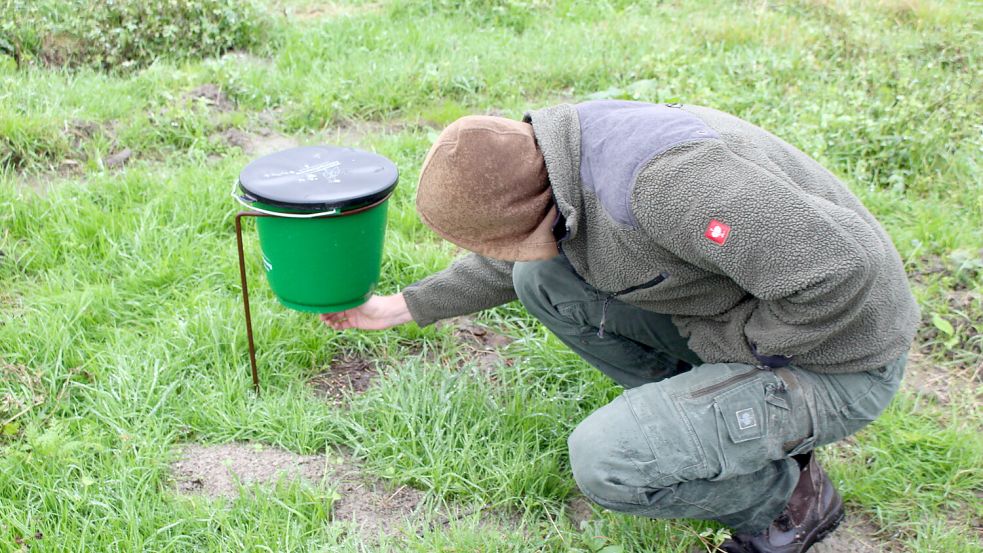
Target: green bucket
322, 223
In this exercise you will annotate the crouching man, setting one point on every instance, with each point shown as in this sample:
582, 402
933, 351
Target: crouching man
748, 303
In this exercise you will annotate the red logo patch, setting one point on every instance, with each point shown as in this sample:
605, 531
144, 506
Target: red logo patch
717, 232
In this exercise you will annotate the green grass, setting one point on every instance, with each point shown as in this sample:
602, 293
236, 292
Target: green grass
119, 296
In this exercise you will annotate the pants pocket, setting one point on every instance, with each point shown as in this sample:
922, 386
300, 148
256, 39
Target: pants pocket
752, 425
715, 422
668, 429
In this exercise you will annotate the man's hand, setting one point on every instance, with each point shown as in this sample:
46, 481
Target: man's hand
379, 313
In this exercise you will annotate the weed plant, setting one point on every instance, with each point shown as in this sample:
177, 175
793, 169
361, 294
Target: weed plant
118, 35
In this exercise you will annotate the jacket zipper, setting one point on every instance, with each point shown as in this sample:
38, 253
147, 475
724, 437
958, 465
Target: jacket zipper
607, 300
721, 385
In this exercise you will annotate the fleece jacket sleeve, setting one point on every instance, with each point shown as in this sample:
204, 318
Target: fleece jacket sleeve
470, 284
809, 262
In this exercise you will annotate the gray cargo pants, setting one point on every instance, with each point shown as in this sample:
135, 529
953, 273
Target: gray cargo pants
687, 439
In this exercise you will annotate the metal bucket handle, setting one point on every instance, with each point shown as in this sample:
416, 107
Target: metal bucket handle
244, 200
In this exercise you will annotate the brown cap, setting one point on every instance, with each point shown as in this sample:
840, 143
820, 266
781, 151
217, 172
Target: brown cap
484, 187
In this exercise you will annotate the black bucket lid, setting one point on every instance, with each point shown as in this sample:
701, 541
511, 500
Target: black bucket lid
314, 178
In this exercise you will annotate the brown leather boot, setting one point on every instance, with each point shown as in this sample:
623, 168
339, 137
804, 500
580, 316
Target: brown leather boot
813, 511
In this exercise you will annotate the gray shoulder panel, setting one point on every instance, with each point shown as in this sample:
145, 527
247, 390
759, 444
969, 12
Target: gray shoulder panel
617, 138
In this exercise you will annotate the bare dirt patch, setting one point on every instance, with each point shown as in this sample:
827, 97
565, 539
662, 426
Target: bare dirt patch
373, 506
925, 268
212, 96
927, 378
354, 132
579, 511
331, 10
58, 157
370, 504
964, 299
482, 345
855, 535
347, 375
67, 160
80, 130
11, 304
478, 336
20, 391
215, 470
41, 182
260, 143
264, 140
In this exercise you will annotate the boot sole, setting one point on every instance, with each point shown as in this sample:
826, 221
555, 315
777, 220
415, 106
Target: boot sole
829, 524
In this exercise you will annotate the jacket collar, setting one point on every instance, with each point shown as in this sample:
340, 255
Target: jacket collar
557, 131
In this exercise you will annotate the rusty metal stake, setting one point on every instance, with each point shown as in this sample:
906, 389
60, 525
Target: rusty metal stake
245, 292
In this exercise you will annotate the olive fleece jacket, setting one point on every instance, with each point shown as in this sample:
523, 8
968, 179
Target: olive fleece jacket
760, 255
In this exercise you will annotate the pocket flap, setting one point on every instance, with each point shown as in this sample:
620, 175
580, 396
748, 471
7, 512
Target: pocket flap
743, 411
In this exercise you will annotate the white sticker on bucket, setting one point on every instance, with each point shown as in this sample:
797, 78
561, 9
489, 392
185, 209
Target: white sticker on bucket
267, 264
